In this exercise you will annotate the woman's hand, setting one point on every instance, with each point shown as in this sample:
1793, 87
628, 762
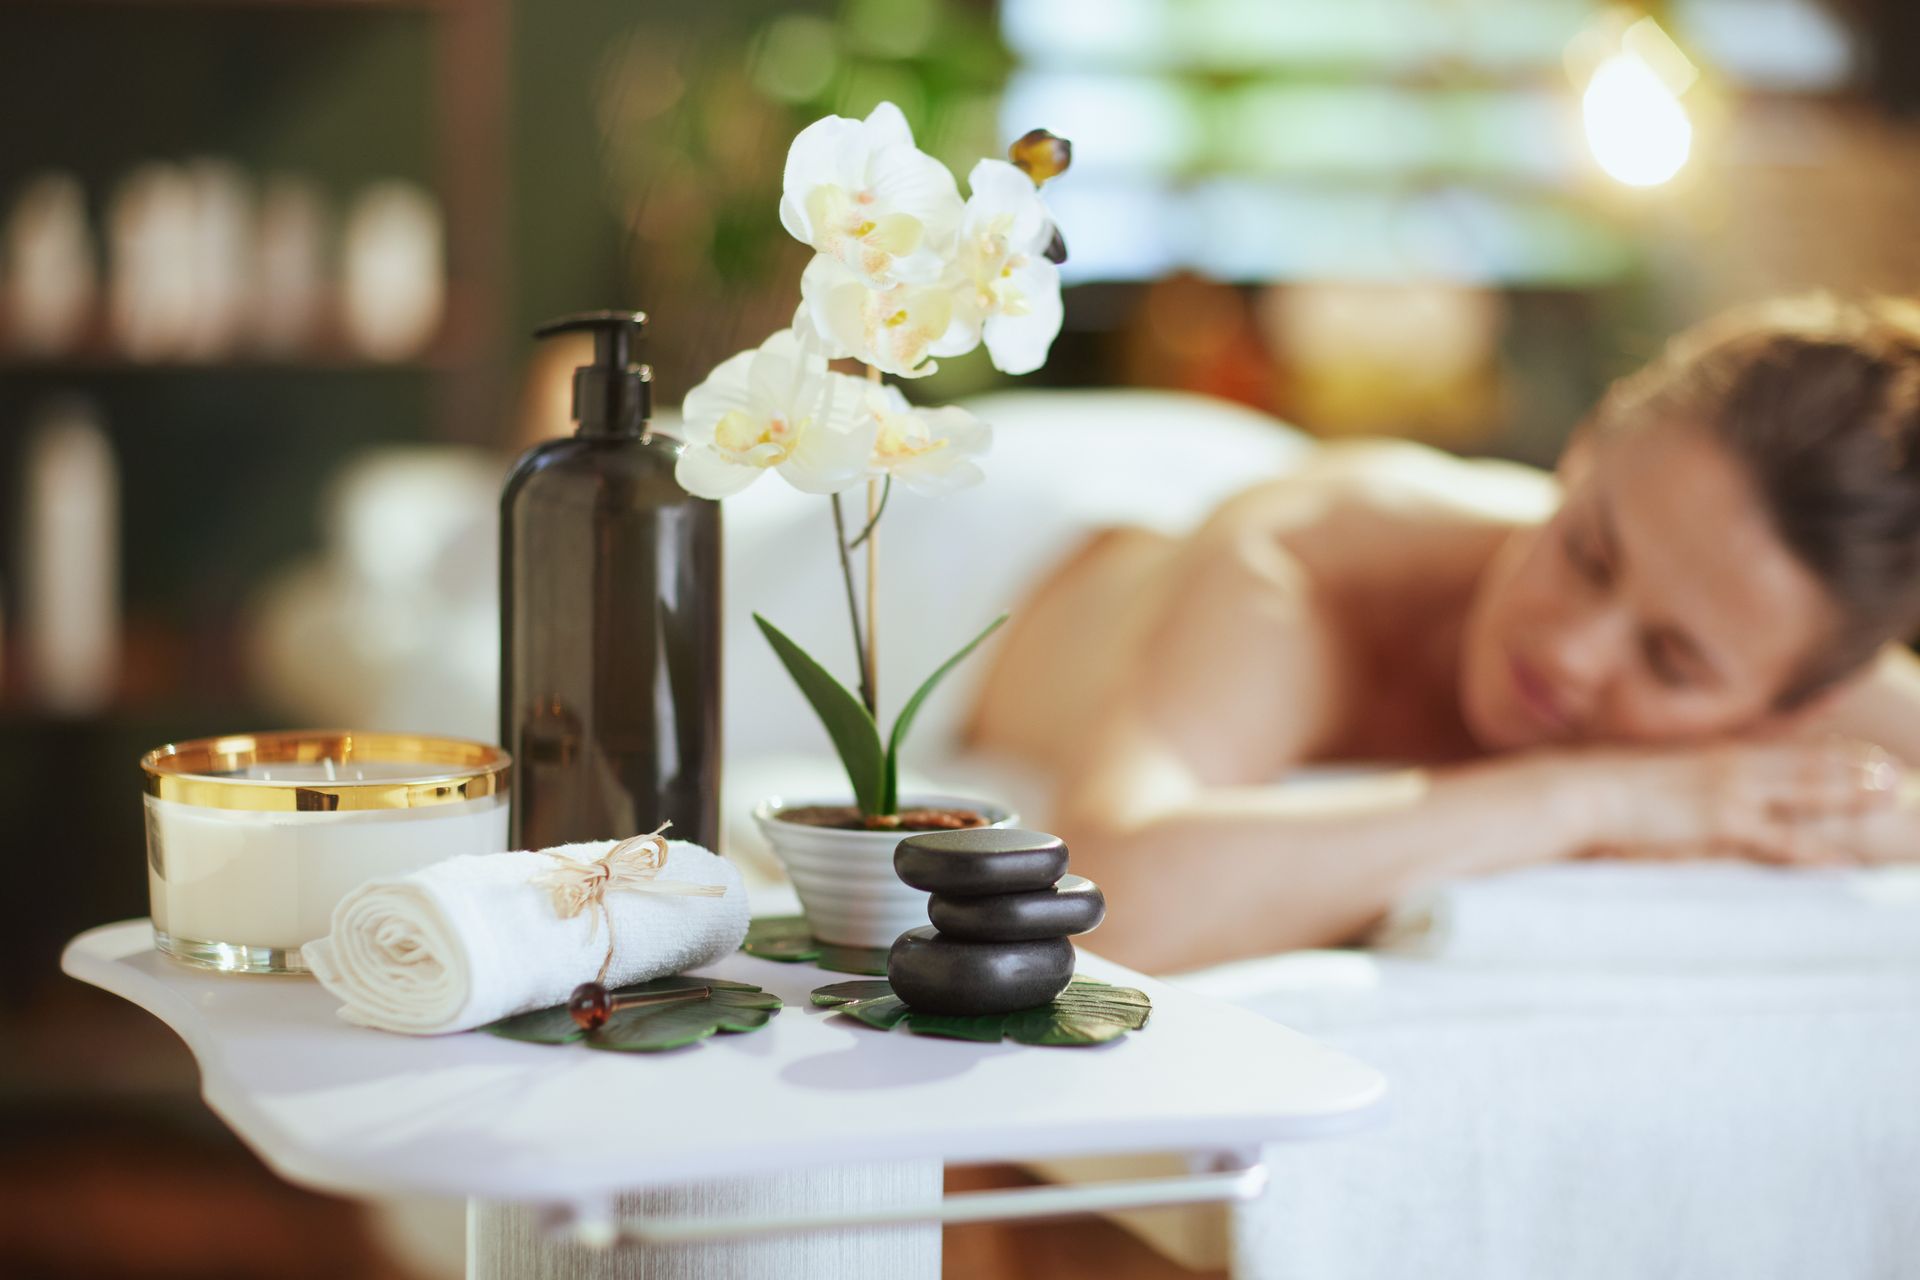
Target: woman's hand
1781, 802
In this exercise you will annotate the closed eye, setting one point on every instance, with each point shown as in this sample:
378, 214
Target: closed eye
1664, 664
1584, 560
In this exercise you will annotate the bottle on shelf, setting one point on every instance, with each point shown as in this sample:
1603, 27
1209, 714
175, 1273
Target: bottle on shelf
70, 563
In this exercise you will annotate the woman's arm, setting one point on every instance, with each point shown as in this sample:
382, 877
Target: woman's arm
1882, 705
1198, 874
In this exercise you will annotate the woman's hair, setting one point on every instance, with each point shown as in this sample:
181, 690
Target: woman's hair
1819, 398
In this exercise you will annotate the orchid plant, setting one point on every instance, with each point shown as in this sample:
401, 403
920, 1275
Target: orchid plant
905, 272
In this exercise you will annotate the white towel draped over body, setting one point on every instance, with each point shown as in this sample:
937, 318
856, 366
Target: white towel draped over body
478, 937
1659, 915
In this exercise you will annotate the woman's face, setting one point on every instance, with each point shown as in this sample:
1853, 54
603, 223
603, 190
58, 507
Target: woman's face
1657, 605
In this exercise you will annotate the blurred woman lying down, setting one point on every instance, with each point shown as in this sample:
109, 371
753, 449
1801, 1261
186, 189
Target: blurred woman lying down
1686, 641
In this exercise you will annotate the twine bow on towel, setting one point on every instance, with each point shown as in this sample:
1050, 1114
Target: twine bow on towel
629, 867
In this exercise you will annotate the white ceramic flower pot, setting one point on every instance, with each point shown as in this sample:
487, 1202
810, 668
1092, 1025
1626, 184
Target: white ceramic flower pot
845, 879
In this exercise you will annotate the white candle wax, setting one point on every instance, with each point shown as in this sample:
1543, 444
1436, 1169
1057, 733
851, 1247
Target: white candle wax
271, 879
329, 771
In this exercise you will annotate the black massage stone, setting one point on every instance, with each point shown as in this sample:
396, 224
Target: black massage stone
937, 974
1075, 905
980, 860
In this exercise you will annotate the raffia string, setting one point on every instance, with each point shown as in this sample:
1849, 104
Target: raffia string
630, 866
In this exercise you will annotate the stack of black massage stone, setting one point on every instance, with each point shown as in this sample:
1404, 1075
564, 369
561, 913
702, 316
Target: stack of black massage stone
1002, 907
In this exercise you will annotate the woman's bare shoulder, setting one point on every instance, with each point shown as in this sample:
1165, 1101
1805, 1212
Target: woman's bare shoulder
1389, 477
1253, 625
1369, 501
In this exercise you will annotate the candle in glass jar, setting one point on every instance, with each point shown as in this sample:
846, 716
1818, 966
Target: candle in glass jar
251, 840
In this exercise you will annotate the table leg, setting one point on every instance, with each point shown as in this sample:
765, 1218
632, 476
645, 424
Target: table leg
517, 1242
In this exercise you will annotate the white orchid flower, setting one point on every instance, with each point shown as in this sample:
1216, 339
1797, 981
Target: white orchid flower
897, 329
776, 408
930, 451
1005, 289
860, 192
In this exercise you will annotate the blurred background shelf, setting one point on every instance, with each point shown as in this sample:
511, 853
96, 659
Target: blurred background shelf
224, 461
342, 94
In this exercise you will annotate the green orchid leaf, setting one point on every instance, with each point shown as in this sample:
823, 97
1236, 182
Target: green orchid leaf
1087, 1012
789, 940
845, 718
835, 994
728, 1006
904, 722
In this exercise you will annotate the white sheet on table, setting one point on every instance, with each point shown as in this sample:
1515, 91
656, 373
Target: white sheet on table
1665, 916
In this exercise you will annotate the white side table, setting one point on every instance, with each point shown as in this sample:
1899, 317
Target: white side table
811, 1147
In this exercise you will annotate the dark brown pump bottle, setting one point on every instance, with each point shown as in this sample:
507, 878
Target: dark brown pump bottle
609, 618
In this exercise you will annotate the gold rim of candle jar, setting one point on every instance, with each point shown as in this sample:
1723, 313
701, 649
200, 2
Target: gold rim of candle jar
453, 770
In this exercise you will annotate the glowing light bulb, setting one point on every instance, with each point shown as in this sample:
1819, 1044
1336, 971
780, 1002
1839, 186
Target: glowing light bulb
1635, 125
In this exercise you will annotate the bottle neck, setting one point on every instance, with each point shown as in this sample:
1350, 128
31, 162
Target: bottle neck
613, 403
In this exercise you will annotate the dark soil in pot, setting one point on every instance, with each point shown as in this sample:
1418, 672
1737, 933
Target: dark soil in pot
845, 817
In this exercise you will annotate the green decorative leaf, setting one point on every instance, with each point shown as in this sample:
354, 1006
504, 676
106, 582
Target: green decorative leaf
728, 1007
988, 1028
542, 1026
652, 1028
838, 959
1087, 1012
882, 1013
680, 982
839, 993
890, 800
789, 940
845, 718
1067, 1021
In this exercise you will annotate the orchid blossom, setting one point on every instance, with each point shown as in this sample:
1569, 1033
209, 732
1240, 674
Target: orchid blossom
775, 408
1005, 289
930, 451
861, 193
897, 329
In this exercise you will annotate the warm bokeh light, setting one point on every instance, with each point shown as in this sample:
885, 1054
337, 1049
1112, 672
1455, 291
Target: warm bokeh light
1635, 125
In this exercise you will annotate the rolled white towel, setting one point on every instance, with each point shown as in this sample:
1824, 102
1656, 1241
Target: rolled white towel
479, 937
1650, 915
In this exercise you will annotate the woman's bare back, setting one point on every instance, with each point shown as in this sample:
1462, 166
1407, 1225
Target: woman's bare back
1371, 550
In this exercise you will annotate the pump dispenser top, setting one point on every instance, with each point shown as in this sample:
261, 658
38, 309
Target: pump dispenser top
610, 617
613, 395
